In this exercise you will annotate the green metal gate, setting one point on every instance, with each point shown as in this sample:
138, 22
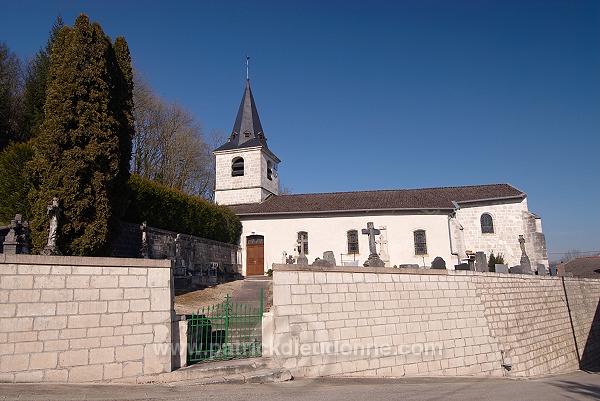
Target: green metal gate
225, 330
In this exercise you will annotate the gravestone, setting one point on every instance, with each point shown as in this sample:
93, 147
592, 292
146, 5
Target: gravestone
16, 240
302, 259
525, 263
501, 268
409, 266
373, 260
438, 263
541, 270
481, 264
321, 262
383, 246
518, 269
553, 271
330, 257
462, 266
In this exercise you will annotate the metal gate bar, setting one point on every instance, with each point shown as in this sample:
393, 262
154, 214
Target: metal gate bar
225, 330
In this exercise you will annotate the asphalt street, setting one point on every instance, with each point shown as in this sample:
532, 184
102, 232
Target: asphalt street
573, 386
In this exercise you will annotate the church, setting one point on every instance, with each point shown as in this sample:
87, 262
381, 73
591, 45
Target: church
414, 226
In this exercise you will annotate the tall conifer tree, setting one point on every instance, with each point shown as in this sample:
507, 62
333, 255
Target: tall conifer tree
81, 152
36, 83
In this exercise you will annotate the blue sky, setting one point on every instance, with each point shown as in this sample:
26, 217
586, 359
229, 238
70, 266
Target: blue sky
357, 95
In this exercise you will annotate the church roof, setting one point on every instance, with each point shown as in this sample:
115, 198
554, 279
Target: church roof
374, 201
247, 131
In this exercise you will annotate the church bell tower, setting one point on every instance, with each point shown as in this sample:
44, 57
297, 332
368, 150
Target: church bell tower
246, 170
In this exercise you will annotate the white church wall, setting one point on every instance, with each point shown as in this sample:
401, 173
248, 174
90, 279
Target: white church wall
508, 225
329, 233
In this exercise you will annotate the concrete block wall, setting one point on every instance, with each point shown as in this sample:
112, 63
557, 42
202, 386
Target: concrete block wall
583, 296
426, 322
528, 316
74, 319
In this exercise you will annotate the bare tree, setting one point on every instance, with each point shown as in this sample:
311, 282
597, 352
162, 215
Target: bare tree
169, 146
572, 254
283, 190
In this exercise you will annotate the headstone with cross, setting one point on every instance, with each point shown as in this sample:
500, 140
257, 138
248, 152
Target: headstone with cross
302, 241
373, 260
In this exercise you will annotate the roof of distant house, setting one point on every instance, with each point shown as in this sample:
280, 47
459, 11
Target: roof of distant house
445, 198
586, 267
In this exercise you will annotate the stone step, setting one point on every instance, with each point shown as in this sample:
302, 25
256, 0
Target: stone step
250, 370
257, 376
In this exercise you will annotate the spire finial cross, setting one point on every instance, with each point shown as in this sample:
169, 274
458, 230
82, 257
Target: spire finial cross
247, 67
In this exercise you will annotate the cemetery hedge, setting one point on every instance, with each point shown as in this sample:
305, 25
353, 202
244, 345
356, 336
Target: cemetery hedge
173, 210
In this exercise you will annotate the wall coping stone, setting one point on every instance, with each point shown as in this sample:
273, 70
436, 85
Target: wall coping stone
83, 261
354, 269
424, 272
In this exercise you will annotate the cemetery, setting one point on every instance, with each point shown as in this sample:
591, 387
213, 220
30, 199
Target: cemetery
90, 267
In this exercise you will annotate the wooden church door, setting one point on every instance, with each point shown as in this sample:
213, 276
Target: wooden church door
255, 255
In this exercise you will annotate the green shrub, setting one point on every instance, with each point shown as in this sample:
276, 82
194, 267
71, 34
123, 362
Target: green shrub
14, 183
495, 259
173, 210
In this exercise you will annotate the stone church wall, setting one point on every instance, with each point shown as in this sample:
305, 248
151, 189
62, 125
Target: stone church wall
511, 219
402, 322
75, 319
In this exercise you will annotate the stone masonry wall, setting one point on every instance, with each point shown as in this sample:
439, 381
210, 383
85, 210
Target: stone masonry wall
74, 319
426, 322
195, 251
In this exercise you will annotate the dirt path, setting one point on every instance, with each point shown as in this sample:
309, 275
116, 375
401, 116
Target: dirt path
192, 301
243, 291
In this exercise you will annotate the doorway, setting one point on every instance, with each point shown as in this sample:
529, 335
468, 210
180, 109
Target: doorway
255, 255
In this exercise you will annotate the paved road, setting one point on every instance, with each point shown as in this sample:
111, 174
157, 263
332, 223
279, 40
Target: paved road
574, 386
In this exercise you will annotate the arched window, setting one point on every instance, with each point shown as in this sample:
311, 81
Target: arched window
487, 224
269, 170
303, 241
237, 167
352, 241
420, 242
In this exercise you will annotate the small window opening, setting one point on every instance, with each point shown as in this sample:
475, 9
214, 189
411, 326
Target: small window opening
237, 167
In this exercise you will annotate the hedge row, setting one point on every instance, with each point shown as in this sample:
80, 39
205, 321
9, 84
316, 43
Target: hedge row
169, 209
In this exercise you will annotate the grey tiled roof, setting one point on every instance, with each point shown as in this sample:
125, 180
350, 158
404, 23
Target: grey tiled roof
403, 199
587, 267
247, 122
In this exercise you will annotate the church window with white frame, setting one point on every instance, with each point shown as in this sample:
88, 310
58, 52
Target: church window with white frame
420, 242
303, 239
487, 224
237, 167
352, 236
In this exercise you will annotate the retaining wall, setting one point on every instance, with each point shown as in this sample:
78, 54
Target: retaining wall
74, 319
402, 322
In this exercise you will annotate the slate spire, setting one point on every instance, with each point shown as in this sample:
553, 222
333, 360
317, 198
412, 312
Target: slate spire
247, 130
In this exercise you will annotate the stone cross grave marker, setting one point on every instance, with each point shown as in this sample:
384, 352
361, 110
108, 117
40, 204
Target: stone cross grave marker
373, 260
525, 263
302, 259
